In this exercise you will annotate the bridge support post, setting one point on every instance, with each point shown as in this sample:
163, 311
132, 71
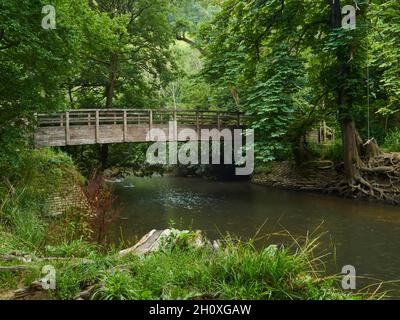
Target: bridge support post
125, 125
175, 126
67, 132
97, 127
150, 120
198, 123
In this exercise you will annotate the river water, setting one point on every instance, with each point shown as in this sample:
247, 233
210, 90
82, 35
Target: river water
363, 234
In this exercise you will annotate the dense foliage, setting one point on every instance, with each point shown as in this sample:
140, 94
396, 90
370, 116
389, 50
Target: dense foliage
282, 62
288, 66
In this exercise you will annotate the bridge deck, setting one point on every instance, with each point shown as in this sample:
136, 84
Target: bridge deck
83, 127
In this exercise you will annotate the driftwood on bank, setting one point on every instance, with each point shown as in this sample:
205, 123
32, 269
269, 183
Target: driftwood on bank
33, 291
149, 243
16, 257
28, 258
13, 268
152, 241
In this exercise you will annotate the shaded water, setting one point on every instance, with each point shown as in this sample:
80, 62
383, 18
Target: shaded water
366, 235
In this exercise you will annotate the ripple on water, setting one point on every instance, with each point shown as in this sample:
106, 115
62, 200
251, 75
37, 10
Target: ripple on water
185, 200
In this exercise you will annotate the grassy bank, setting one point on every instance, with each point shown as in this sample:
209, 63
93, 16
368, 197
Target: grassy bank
30, 239
235, 271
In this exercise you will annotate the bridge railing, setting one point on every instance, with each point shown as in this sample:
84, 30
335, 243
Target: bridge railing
98, 117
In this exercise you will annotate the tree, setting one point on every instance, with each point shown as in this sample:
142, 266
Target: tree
130, 60
241, 62
35, 66
384, 39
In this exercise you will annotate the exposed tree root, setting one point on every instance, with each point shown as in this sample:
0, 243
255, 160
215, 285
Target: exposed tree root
378, 178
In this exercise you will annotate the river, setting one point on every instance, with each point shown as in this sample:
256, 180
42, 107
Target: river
363, 234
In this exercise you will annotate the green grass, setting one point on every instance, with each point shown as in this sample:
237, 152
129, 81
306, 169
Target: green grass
24, 206
392, 141
182, 271
236, 271
332, 151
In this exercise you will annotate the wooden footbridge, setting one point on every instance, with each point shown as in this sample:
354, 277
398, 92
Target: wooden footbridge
99, 126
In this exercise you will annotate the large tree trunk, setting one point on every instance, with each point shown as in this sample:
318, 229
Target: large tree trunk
351, 155
110, 88
104, 156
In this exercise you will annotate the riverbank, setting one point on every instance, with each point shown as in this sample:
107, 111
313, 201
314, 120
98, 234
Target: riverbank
185, 270
318, 177
326, 178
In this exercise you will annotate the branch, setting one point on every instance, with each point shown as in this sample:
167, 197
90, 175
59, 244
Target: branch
182, 37
13, 268
138, 14
100, 61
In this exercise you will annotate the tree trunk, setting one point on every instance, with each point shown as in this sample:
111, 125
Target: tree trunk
110, 86
372, 149
104, 157
351, 155
300, 151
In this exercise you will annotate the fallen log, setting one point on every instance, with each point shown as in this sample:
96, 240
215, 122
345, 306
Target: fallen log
28, 258
12, 257
13, 268
152, 241
30, 292
148, 243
